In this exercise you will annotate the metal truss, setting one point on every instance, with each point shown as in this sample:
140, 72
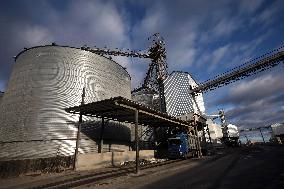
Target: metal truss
250, 68
117, 52
255, 128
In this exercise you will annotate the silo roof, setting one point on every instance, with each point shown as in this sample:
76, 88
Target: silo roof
65, 46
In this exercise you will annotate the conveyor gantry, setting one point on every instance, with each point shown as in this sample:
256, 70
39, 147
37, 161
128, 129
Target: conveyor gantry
250, 68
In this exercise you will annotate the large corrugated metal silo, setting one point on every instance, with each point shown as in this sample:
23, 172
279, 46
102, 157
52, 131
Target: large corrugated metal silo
44, 81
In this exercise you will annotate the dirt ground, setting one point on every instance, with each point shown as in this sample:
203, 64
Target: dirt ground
255, 167
249, 167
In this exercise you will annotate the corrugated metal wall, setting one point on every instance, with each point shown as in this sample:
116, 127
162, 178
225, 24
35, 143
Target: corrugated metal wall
178, 99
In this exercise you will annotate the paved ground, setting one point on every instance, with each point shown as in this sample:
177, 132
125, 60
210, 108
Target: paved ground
256, 167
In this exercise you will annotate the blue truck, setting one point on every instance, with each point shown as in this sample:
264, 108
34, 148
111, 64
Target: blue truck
182, 145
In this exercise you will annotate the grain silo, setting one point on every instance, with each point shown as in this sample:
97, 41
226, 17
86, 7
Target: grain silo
44, 81
179, 101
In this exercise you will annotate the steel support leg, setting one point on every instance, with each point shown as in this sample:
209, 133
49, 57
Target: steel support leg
77, 142
247, 138
102, 136
204, 139
136, 142
262, 135
79, 131
208, 131
198, 142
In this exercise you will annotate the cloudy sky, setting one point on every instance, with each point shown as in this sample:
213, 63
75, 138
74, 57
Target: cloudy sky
203, 37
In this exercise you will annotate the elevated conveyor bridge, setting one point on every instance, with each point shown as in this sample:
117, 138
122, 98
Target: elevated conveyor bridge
250, 68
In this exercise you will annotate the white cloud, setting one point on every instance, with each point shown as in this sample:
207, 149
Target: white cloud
250, 6
182, 51
151, 23
95, 23
182, 58
36, 35
267, 16
225, 27
217, 55
258, 87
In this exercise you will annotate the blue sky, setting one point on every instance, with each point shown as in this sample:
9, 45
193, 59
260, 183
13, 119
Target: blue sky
203, 37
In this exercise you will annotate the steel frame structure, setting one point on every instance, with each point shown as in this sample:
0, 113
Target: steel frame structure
250, 68
255, 129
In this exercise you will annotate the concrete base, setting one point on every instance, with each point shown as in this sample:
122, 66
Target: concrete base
99, 160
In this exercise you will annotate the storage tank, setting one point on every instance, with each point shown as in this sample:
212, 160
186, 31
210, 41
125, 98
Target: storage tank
178, 99
44, 81
233, 131
215, 131
277, 129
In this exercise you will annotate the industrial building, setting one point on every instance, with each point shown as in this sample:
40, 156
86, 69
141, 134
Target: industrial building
44, 81
50, 85
47, 79
217, 133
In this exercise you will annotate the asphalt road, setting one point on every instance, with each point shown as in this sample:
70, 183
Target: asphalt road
254, 167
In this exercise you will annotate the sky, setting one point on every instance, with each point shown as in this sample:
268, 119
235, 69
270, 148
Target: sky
203, 37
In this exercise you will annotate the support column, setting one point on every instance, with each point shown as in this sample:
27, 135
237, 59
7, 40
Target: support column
247, 138
198, 141
136, 142
102, 136
208, 131
204, 138
162, 96
78, 138
262, 135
